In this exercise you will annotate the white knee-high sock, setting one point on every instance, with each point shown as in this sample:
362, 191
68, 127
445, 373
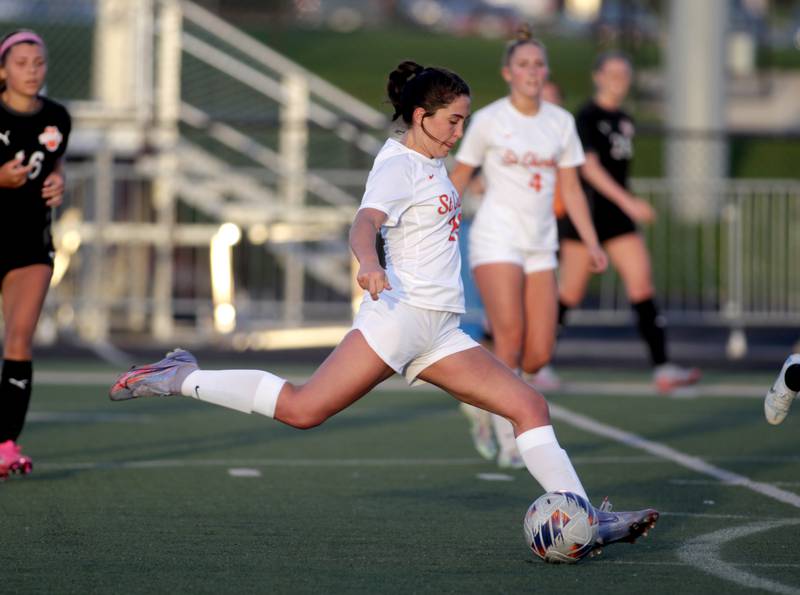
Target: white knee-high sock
548, 462
242, 390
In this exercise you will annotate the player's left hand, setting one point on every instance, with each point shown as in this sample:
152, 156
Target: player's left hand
598, 259
53, 189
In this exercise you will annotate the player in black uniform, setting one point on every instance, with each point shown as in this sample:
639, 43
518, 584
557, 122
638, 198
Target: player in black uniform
33, 137
607, 132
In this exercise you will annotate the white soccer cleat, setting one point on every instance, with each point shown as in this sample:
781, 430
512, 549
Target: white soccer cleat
480, 428
668, 377
779, 398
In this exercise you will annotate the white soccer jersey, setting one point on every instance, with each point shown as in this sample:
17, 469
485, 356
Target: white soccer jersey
423, 211
519, 155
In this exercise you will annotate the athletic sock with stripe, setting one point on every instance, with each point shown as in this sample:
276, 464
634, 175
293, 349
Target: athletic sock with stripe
15, 395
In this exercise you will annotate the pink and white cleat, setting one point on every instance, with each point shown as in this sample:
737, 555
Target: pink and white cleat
12, 460
668, 377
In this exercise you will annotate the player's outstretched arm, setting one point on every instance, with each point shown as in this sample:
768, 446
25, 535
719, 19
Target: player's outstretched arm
371, 276
636, 208
578, 211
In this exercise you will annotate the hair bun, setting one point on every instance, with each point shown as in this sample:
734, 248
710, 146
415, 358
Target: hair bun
524, 33
398, 79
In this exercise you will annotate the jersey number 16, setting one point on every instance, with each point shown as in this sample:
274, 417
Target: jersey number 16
35, 162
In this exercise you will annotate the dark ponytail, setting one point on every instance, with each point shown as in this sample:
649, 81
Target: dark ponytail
411, 86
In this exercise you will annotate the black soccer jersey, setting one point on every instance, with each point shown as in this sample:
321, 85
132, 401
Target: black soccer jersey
39, 139
609, 134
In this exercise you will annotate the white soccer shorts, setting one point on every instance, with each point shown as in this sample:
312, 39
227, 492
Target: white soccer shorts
407, 338
531, 261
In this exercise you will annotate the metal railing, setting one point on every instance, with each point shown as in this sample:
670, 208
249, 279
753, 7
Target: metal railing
734, 270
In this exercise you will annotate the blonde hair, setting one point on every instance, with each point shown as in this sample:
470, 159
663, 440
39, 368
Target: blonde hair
523, 36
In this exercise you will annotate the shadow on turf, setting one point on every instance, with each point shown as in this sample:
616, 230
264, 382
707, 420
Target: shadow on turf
177, 448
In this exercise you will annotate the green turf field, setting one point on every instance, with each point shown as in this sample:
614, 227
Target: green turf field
139, 497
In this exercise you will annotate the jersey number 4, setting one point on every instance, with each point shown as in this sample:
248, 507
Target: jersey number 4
35, 162
536, 182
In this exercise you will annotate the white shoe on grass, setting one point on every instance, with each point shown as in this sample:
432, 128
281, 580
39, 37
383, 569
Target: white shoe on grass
480, 428
780, 397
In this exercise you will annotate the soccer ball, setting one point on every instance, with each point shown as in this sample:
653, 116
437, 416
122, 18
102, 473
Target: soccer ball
561, 527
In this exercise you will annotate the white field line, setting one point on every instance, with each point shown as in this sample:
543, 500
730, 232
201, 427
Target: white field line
711, 515
167, 463
741, 564
704, 552
495, 477
662, 450
707, 482
255, 463
247, 472
70, 417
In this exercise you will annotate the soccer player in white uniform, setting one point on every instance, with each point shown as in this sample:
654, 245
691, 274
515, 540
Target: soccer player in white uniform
524, 146
408, 322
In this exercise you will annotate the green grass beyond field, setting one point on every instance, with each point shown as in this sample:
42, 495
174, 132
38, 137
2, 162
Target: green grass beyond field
388, 497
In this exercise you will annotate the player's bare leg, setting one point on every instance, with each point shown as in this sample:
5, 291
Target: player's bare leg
501, 286
24, 291
476, 377
574, 272
349, 373
541, 312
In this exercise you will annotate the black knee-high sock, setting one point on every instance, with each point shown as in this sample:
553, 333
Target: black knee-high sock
651, 328
792, 377
562, 314
15, 394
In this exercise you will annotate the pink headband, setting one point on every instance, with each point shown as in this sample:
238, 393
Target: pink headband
21, 37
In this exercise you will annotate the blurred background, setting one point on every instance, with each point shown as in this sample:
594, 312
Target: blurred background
220, 149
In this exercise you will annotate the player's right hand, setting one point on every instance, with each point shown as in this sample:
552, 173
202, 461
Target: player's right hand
13, 174
372, 278
641, 211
